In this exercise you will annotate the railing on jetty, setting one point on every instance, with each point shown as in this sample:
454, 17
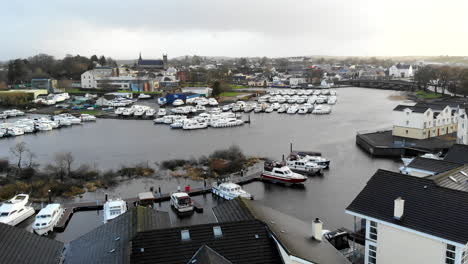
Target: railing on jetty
71, 208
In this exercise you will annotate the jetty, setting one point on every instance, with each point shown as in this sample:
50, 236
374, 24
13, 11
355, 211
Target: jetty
71, 208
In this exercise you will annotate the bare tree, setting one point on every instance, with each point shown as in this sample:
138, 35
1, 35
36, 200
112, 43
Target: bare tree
69, 159
31, 156
60, 164
18, 151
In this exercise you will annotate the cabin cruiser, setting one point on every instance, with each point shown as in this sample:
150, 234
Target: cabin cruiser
178, 102
282, 109
227, 107
161, 112
201, 108
321, 110
2, 132
114, 208
150, 112
47, 219
177, 124
304, 166
437, 156
3, 116
162, 100
228, 122
128, 111
303, 110
248, 108
314, 157
229, 191
292, 109
140, 110
15, 131
119, 110
212, 102
27, 128
15, 210
181, 202
258, 109
87, 118
193, 124
275, 106
144, 96
278, 172
331, 100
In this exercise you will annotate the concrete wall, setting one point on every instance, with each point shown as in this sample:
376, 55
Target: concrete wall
397, 246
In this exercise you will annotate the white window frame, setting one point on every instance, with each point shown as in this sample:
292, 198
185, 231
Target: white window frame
368, 249
454, 251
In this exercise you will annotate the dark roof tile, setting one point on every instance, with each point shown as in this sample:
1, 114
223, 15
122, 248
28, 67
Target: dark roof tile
433, 165
457, 153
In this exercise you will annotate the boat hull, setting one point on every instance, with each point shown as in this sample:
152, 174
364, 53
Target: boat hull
28, 212
275, 178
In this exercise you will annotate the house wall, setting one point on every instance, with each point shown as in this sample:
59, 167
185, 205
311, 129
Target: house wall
398, 246
408, 132
462, 133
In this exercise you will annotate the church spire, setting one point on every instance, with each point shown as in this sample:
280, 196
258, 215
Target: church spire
139, 57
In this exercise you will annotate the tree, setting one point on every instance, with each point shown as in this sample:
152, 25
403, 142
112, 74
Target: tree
423, 76
18, 151
102, 61
94, 58
60, 164
30, 156
217, 89
68, 159
463, 87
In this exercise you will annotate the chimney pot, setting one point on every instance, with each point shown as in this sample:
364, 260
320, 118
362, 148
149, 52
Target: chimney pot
399, 208
317, 226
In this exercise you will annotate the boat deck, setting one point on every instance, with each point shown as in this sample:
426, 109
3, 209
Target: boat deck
71, 208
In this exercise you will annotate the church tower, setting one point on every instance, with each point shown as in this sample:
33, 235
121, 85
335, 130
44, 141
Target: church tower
165, 61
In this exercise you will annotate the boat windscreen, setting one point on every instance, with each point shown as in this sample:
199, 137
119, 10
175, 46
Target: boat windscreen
4, 214
184, 201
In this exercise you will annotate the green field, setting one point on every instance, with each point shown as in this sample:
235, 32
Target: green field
90, 112
230, 94
428, 95
237, 86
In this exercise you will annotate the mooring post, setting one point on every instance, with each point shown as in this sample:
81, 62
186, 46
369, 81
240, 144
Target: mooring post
105, 197
290, 147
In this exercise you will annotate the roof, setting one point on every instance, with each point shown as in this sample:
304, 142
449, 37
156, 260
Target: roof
232, 211
151, 62
433, 165
180, 194
429, 208
241, 242
20, 246
109, 243
295, 235
416, 109
456, 179
49, 209
206, 255
457, 153
145, 195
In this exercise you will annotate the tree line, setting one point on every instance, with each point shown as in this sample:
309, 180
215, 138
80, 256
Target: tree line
46, 66
443, 78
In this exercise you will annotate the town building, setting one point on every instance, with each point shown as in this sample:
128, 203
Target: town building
152, 65
424, 121
462, 133
457, 153
401, 71
44, 84
89, 78
412, 220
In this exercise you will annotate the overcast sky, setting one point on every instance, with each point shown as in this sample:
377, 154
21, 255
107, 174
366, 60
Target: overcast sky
274, 28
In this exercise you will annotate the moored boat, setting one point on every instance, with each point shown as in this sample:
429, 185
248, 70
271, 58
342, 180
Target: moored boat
181, 202
16, 210
278, 172
47, 219
229, 191
114, 208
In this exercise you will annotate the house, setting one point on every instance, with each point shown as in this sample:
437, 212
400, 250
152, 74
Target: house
423, 121
44, 84
297, 81
89, 78
20, 246
462, 133
411, 220
401, 71
422, 167
152, 65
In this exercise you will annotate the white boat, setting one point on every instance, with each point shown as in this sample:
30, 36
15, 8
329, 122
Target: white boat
144, 96
321, 110
212, 102
119, 110
269, 109
277, 172
47, 219
282, 109
3, 116
304, 166
140, 111
193, 124
159, 120
87, 118
292, 109
258, 109
178, 102
201, 108
331, 100
2, 132
302, 110
114, 208
16, 210
229, 191
227, 107
181, 202
161, 112
15, 131
128, 111
150, 112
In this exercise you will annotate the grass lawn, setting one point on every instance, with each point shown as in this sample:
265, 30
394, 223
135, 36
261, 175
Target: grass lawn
230, 94
237, 86
428, 95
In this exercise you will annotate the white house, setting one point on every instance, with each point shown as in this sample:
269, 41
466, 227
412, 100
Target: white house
294, 81
89, 78
462, 132
423, 121
401, 71
411, 220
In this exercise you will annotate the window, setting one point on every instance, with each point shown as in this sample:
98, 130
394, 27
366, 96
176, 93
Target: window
450, 254
372, 253
424, 124
406, 132
407, 123
373, 230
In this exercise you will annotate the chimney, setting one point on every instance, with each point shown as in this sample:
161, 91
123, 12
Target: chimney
317, 229
399, 208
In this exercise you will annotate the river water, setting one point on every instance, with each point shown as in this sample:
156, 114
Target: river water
112, 143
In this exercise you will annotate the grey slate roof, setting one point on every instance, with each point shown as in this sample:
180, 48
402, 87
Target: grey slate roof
242, 242
206, 255
437, 166
20, 246
429, 208
232, 211
457, 153
109, 243
416, 109
455, 179
151, 62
